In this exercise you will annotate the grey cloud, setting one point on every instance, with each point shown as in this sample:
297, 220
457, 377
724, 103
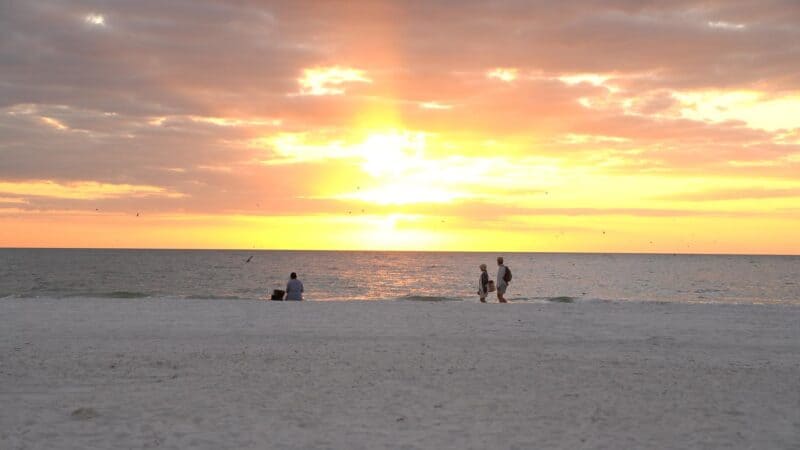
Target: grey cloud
151, 58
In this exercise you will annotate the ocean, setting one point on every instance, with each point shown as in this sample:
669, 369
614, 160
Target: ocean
398, 276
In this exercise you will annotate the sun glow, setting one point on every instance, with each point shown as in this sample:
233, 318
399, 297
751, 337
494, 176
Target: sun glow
405, 174
392, 154
396, 167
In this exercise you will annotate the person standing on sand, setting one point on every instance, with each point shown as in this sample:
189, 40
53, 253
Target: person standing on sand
483, 284
294, 288
502, 284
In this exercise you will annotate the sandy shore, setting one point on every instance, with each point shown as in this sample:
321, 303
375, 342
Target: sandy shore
92, 373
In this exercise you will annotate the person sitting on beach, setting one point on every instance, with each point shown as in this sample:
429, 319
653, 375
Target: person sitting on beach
294, 288
483, 284
502, 284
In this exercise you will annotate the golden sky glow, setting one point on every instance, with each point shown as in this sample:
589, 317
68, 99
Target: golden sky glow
492, 126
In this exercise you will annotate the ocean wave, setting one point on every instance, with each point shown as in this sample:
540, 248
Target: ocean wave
429, 298
216, 297
121, 294
65, 295
709, 291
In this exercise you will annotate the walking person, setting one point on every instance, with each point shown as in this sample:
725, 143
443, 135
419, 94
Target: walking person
483, 284
503, 278
294, 288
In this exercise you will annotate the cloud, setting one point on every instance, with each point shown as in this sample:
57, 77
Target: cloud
727, 25
54, 123
736, 194
503, 74
87, 190
329, 80
435, 105
95, 19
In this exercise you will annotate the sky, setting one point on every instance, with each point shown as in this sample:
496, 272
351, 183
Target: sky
570, 126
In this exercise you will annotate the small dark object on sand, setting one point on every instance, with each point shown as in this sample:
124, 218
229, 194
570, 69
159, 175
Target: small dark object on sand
84, 413
277, 294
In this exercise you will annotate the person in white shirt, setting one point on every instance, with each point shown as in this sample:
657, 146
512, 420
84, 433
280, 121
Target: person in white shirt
502, 285
294, 288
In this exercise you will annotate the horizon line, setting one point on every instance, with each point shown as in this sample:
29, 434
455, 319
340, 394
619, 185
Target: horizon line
398, 251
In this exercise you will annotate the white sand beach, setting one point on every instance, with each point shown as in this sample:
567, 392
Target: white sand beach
154, 373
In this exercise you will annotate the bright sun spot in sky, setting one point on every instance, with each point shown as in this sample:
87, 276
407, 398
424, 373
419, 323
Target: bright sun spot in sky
392, 153
398, 160
394, 163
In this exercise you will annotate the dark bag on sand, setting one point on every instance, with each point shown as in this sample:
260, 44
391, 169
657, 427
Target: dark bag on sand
507, 275
277, 294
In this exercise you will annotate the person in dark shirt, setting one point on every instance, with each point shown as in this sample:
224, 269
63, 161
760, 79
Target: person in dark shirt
502, 284
483, 284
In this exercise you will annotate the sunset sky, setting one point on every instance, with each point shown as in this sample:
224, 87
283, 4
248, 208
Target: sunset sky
590, 126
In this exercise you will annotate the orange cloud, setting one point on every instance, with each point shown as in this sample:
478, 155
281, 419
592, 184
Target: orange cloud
736, 194
84, 190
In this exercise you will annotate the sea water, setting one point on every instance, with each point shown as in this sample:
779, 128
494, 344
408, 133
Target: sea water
403, 276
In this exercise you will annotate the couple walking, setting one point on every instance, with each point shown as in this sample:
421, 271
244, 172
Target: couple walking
485, 285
